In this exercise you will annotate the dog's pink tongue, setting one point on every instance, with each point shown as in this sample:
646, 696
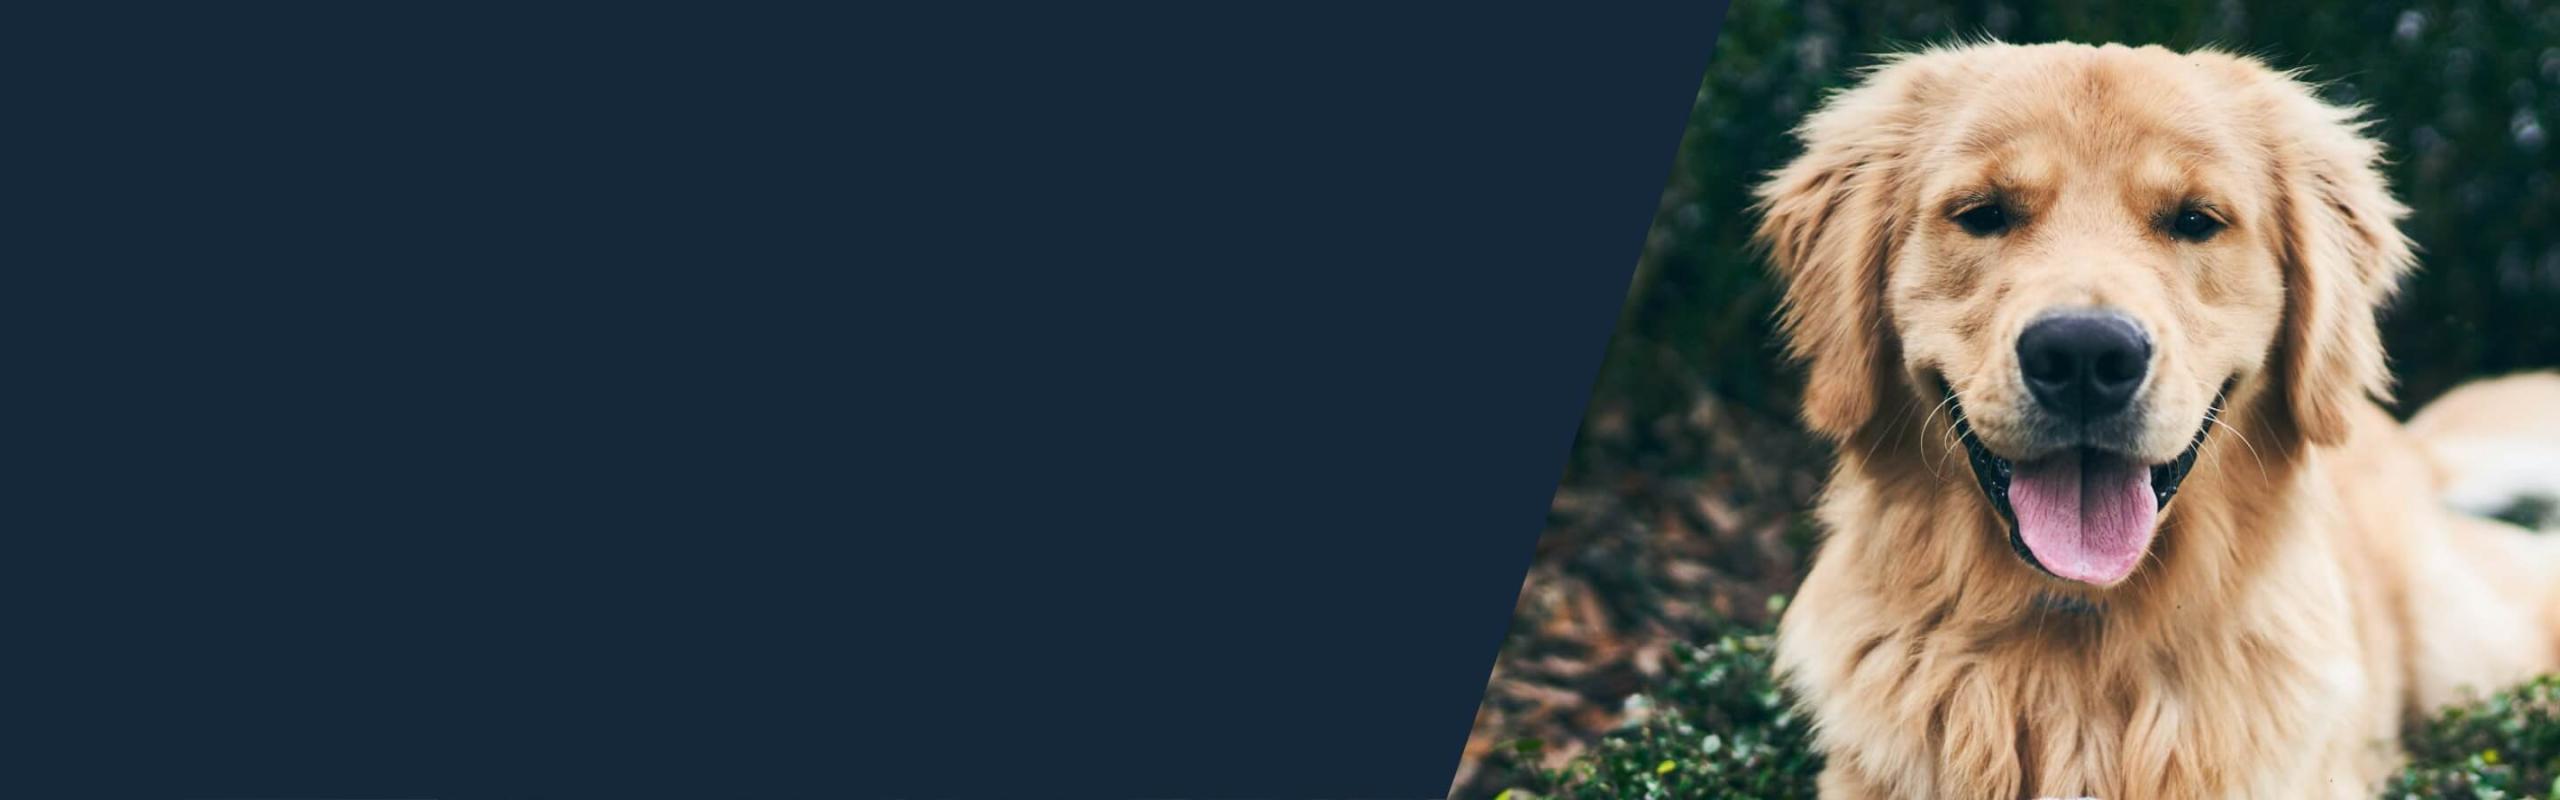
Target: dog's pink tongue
2086, 515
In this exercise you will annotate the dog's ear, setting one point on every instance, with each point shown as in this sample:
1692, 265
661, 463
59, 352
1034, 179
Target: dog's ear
1829, 220
2343, 254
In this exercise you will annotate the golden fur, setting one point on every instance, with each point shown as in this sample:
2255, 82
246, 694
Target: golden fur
2305, 593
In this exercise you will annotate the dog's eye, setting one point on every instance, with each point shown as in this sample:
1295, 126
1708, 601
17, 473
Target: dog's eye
2195, 225
1984, 220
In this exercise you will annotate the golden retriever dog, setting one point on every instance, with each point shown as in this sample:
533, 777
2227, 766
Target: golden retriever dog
2115, 512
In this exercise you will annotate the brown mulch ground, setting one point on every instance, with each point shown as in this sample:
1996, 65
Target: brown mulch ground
1632, 562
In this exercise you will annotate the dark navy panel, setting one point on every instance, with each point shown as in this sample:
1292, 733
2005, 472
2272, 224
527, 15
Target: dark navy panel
726, 401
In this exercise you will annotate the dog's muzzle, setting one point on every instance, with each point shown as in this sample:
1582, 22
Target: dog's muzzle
1993, 473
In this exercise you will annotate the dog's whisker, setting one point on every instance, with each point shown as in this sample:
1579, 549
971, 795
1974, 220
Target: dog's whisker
1936, 470
1899, 420
1919, 438
1938, 464
2215, 418
1954, 440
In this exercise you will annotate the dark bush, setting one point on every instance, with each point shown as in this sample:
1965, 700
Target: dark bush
2505, 746
1718, 728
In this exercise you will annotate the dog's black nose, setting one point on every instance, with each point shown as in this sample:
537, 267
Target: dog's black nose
2084, 364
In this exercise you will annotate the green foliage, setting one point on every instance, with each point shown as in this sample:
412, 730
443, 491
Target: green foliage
2507, 745
1719, 727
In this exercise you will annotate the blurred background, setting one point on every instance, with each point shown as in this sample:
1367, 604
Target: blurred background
1678, 519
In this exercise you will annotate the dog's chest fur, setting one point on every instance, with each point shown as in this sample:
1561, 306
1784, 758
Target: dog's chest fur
1935, 668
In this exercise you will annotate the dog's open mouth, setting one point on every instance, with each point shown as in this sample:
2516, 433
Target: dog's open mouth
2086, 514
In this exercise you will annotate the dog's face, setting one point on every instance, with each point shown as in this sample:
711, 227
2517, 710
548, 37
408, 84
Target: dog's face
2072, 256
2089, 266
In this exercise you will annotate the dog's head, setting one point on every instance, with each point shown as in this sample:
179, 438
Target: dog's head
2075, 254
